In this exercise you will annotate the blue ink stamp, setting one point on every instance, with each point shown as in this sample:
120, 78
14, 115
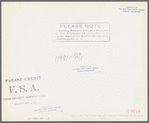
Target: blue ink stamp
49, 109
86, 69
131, 9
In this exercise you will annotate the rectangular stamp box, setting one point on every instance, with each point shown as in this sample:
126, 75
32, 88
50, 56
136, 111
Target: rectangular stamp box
81, 32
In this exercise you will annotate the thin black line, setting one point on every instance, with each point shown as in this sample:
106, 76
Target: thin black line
1, 59
81, 41
89, 30
109, 31
80, 22
74, 1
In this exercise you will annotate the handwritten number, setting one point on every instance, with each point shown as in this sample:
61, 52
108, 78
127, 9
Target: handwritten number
65, 58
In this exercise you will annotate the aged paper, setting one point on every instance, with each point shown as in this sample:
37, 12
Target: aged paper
74, 61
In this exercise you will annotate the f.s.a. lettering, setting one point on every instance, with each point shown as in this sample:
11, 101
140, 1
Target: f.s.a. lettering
22, 89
